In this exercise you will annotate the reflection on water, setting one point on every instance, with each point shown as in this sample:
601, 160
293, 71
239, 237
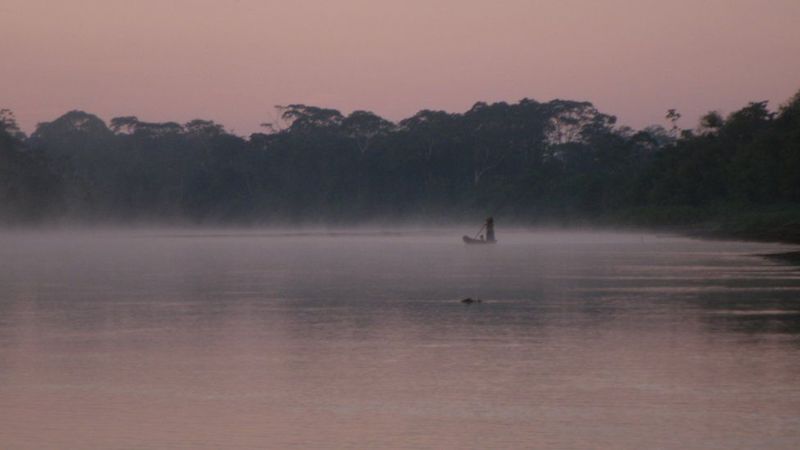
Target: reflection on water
358, 340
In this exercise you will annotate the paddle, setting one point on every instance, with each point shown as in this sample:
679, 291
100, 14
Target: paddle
479, 231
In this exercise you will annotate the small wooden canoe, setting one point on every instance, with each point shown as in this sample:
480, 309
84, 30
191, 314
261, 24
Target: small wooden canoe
469, 240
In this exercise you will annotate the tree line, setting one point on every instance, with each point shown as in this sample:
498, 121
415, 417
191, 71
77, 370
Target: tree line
525, 161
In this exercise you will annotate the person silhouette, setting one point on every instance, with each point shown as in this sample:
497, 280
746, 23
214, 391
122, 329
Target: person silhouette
489, 230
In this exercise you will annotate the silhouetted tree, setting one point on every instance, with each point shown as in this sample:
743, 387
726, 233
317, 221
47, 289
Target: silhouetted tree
560, 159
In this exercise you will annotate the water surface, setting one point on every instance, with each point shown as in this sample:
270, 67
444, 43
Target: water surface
175, 339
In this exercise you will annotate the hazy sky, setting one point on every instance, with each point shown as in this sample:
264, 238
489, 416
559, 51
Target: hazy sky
232, 60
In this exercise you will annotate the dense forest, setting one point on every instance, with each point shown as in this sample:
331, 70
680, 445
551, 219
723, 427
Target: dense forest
526, 162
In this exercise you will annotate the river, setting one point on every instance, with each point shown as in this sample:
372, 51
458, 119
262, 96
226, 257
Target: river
269, 339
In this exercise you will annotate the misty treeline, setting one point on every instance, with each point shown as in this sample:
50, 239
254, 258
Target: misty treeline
528, 161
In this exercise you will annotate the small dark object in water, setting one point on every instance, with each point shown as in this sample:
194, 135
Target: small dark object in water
470, 301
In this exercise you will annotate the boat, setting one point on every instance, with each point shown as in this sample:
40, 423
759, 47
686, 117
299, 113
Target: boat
469, 240
489, 227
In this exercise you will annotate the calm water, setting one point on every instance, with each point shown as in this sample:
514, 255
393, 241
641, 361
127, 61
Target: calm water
268, 340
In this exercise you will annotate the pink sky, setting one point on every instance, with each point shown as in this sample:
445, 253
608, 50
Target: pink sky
232, 60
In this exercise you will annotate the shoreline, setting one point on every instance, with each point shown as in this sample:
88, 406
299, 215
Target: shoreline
786, 257
784, 235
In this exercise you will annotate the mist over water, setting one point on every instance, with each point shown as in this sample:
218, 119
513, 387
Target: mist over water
358, 339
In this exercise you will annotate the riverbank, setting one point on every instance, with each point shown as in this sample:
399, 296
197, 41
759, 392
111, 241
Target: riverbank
787, 257
787, 235
778, 223
764, 226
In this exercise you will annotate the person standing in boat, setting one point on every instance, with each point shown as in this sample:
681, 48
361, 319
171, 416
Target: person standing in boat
490, 229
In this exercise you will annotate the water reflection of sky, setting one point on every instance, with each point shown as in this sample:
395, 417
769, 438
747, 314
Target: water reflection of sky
582, 341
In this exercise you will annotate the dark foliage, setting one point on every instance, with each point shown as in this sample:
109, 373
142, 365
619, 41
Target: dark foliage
560, 160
